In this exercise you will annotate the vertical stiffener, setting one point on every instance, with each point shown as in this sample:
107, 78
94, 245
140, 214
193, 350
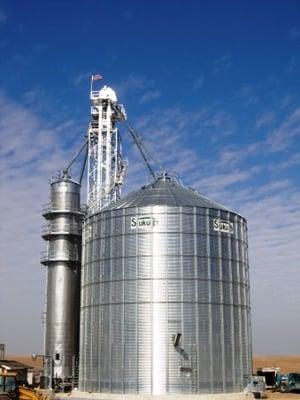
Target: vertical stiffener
62, 258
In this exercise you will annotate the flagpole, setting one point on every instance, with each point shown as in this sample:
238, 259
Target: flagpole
92, 78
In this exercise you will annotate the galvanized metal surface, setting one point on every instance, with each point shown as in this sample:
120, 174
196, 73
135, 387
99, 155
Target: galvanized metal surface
153, 271
62, 258
165, 191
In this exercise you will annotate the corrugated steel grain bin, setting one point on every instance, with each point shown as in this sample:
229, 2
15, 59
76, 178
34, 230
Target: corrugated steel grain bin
165, 261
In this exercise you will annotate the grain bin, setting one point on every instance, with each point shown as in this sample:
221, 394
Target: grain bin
165, 295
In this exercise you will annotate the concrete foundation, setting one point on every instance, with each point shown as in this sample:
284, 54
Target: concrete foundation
76, 395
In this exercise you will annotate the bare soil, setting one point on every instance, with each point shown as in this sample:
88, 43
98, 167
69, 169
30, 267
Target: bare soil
270, 395
285, 363
26, 360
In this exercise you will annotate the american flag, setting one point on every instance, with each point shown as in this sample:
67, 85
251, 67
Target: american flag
96, 77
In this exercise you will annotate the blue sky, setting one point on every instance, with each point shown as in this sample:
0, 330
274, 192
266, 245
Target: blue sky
214, 89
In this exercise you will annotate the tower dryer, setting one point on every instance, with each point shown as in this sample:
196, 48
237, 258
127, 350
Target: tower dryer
62, 259
105, 166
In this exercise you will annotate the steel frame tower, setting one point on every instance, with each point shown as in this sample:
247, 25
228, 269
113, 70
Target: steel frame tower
106, 168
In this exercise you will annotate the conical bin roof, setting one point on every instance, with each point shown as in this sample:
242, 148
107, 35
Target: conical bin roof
165, 191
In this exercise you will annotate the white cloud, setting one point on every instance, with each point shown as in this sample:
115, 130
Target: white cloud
127, 14
283, 136
248, 95
222, 64
279, 138
133, 83
294, 33
214, 184
291, 65
264, 120
231, 156
198, 83
3, 16
287, 100
149, 96
210, 122
82, 77
294, 159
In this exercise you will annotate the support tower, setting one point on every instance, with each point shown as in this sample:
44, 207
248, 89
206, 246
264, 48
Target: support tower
105, 166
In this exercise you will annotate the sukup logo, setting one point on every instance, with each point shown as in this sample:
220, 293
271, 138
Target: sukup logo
143, 222
223, 226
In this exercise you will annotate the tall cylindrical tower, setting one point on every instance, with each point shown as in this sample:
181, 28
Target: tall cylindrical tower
62, 259
165, 295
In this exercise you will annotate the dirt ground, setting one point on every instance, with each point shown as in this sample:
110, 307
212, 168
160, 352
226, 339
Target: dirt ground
270, 395
26, 360
285, 363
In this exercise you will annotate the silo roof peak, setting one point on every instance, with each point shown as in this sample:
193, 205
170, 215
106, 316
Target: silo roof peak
165, 190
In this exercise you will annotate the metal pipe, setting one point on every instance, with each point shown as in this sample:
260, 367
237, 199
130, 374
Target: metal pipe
65, 171
146, 155
84, 164
141, 148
